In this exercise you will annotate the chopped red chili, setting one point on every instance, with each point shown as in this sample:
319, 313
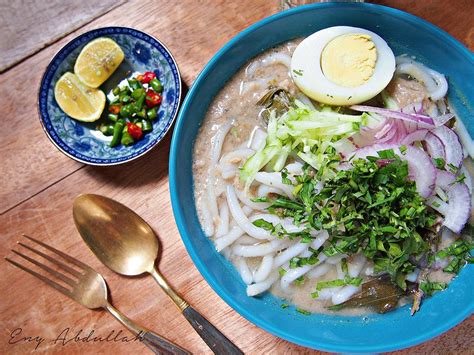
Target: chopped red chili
134, 130
152, 98
147, 77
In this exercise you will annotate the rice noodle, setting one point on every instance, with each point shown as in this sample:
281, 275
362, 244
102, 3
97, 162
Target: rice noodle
260, 287
434, 82
264, 269
356, 264
265, 190
465, 137
242, 196
228, 239
319, 270
207, 221
295, 168
262, 249
327, 293
274, 180
292, 274
257, 139
223, 225
248, 240
229, 160
289, 253
271, 59
344, 294
257, 84
285, 222
228, 171
244, 271
216, 149
242, 219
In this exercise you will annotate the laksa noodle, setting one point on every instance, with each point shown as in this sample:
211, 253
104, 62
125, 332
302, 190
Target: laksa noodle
336, 176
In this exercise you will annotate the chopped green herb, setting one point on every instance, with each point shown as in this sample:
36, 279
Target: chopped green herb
453, 168
284, 305
328, 284
344, 266
429, 287
302, 311
439, 163
299, 281
298, 72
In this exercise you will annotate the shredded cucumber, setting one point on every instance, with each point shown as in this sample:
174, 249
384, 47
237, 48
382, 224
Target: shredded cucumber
306, 132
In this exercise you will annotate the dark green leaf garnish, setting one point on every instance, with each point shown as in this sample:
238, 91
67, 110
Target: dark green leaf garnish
379, 294
275, 99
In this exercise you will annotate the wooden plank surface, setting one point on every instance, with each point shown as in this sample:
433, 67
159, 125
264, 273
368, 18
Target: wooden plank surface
28, 26
39, 185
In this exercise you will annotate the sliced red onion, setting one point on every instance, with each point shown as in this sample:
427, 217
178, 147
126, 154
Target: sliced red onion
414, 136
441, 82
420, 119
410, 126
420, 168
441, 120
390, 136
384, 162
384, 130
423, 120
434, 146
416, 107
468, 179
459, 201
438, 204
451, 143
401, 131
344, 147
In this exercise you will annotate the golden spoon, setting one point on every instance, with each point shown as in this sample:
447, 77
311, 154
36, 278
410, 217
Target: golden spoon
125, 243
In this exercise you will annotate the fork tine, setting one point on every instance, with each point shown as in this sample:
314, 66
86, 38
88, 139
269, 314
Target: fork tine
47, 257
46, 268
65, 256
49, 282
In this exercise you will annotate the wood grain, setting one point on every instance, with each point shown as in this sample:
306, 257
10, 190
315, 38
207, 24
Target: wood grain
39, 185
28, 26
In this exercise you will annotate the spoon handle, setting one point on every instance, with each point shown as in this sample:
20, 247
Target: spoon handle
161, 345
216, 341
153, 341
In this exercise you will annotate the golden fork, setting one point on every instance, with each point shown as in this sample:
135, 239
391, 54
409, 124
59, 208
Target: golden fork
88, 287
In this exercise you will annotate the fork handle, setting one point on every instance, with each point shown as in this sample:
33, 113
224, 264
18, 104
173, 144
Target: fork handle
155, 342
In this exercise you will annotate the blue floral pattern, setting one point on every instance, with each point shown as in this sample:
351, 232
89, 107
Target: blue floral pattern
79, 140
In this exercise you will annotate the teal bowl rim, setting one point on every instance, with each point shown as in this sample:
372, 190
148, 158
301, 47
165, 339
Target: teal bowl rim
178, 207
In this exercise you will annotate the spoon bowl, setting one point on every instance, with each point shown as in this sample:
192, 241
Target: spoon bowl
119, 237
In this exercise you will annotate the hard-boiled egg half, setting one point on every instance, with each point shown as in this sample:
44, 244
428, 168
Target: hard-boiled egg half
342, 65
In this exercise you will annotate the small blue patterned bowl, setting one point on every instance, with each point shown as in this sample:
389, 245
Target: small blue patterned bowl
82, 141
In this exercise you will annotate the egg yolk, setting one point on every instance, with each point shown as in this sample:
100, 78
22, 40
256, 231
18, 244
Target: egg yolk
349, 60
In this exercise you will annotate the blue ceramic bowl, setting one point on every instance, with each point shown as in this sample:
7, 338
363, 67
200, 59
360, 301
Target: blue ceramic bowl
82, 141
372, 333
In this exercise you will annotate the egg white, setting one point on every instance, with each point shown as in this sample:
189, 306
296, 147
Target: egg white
307, 73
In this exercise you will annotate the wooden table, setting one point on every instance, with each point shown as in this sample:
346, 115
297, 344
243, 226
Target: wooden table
38, 185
